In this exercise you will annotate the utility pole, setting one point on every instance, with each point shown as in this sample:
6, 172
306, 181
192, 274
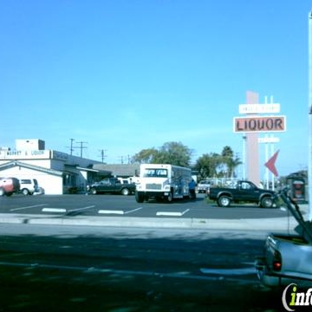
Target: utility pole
71, 147
82, 147
310, 117
103, 155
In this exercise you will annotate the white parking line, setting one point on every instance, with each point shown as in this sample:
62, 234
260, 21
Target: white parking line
83, 208
27, 207
120, 212
172, 214
61, 210
133, 210
111, 211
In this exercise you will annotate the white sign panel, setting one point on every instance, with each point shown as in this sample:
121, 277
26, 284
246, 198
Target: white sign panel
259, 108
268, 140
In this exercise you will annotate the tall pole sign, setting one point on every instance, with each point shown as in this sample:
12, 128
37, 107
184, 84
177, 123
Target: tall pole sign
254, 123
251, 142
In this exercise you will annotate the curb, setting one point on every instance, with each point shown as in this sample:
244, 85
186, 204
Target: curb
269, 224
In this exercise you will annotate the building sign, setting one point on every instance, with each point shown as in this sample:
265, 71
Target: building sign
259, 108
260, 124
34, 154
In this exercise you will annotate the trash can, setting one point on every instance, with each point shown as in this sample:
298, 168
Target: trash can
297, 188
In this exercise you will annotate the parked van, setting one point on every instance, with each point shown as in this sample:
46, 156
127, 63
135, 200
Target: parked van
29, 186
8, 186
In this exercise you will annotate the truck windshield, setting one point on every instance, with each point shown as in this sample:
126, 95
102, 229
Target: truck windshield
155, 173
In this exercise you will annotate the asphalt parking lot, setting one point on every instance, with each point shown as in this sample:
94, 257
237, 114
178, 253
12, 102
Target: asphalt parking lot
126, 206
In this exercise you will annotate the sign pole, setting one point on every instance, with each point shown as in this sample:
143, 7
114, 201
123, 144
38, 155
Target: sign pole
310, 118
266, 159
272, 175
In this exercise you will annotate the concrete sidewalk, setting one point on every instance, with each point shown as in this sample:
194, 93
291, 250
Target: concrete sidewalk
269, 224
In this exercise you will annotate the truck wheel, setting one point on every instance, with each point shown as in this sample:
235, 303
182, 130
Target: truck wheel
25, 192
169, 198
93, 191
266, 202
2, 192
224, 201
139, 197
125, 191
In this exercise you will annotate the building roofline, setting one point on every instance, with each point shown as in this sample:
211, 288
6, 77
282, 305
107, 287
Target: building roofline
28, 166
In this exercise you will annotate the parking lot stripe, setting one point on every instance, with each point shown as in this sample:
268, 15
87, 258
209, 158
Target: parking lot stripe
53, 210
83, 208
133, 210
171, 214
27, 207
111, 211
120, 212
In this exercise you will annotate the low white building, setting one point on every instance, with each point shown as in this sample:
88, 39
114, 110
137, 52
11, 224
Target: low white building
56, 172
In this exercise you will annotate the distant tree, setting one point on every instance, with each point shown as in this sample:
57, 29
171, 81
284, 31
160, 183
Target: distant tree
207, 165
229, 161
227, 152
203, 167
174, 153
145, 156
217, 165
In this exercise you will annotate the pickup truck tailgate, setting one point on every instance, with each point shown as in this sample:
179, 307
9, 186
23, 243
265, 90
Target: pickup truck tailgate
288, 256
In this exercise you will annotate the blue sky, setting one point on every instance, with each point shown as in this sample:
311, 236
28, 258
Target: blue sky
125, 75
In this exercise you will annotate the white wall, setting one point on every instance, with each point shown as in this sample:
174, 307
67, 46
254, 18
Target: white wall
52, 185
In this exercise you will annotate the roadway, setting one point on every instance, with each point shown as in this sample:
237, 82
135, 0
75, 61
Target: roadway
78, 268
109, 253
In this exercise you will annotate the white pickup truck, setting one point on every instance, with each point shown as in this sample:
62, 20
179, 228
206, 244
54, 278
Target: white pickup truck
287, 257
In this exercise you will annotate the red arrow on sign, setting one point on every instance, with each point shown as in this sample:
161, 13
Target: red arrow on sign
270, 164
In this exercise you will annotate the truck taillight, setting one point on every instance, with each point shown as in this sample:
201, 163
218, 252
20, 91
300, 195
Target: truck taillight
277, 261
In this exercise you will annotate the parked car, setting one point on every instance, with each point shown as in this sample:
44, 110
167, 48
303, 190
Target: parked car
8, 186
203, 186
29, 186
111, 185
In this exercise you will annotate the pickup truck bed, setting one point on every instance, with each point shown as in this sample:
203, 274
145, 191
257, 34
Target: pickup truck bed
287, 257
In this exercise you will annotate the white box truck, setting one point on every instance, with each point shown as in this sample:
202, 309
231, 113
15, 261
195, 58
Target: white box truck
163, 182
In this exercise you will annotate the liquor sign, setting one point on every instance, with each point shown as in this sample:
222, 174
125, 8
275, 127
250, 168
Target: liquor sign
260, 124
259, 108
